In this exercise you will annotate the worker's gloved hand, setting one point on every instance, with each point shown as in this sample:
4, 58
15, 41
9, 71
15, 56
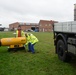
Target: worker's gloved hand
26, 44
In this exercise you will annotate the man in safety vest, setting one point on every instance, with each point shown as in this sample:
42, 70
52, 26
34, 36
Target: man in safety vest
19, 32
31, 41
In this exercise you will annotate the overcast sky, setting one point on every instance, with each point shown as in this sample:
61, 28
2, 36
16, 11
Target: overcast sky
33, 11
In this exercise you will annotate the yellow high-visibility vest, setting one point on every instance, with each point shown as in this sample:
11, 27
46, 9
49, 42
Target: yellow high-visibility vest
22, 33
31, 39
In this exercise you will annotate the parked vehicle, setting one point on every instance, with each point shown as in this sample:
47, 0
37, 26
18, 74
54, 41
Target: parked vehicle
2, 29
65, 40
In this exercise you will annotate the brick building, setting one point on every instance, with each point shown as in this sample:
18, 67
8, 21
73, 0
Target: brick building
46, 25
42, 26
24, 26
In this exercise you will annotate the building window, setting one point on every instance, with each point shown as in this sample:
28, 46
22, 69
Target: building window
45, 24
49, 24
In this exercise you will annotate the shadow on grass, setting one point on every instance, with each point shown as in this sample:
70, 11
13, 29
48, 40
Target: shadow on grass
73, 62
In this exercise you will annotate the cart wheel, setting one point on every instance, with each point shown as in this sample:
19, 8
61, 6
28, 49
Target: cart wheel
9, 49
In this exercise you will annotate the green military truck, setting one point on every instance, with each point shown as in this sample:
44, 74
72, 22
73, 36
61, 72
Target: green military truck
65, 40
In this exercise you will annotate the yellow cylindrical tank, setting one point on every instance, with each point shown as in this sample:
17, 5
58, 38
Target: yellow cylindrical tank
12, 41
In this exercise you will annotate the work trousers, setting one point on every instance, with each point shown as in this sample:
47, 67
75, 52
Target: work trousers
31, 47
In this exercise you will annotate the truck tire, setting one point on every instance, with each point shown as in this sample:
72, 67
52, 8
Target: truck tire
61, 51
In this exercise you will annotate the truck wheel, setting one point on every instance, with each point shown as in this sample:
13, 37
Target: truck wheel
62, 53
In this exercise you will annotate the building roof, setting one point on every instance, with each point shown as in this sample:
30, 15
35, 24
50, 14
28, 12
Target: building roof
47, 21
31, 23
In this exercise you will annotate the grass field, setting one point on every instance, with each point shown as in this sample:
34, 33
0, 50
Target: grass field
43, 62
